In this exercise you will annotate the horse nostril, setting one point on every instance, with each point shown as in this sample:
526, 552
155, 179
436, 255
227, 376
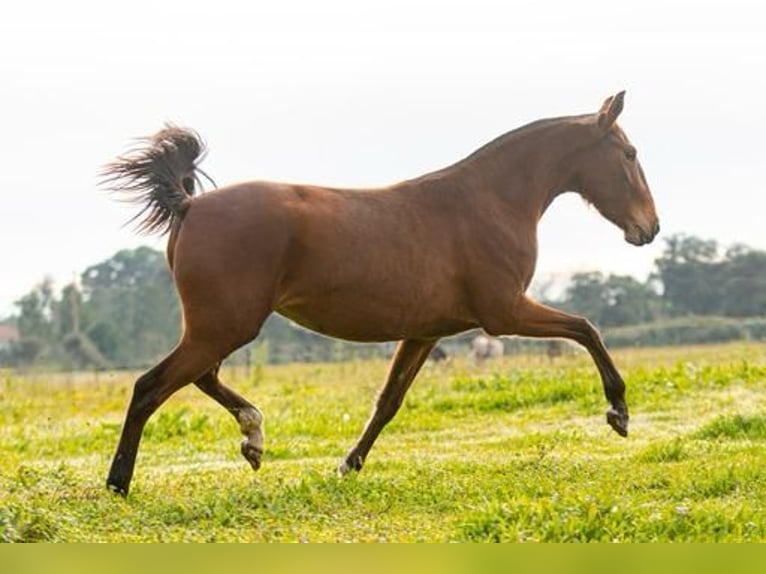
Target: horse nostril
656, 228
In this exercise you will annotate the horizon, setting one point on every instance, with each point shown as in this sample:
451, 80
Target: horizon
347, 95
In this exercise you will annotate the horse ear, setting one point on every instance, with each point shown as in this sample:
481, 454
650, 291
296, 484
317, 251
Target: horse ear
610, 109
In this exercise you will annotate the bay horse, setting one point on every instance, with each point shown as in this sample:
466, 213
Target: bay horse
422, 259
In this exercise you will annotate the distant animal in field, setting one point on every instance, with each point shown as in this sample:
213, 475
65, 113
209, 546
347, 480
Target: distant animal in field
483, 348
416, 261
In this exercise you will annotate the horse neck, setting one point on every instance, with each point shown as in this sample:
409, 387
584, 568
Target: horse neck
524, 170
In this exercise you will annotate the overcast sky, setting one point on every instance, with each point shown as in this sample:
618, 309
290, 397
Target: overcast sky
360, 93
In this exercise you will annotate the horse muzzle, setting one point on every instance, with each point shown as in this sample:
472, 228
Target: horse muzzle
639, 235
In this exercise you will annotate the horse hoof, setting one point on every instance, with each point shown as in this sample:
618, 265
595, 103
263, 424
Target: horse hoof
343, 469
116, 489
618, 420
350, 464
252, 454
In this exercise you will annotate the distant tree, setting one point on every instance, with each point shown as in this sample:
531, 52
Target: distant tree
36, 311
586, 295
105, 337
26, 351
611, 300
131, 306
68, 311
629, 301
690, 273
697, 279
743, 283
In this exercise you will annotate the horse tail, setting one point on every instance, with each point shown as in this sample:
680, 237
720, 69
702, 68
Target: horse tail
160, 175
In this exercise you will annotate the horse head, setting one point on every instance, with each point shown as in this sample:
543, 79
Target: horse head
609, 175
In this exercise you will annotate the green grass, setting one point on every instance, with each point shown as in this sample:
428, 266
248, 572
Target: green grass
515, 450
735, 427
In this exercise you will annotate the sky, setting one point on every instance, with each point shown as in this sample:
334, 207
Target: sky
352, 93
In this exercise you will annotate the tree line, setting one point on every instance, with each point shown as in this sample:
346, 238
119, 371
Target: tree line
692, 276
124, 313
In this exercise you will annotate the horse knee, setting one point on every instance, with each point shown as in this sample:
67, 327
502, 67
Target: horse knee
587, 332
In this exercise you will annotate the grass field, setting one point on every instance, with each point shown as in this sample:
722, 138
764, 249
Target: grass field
512, 450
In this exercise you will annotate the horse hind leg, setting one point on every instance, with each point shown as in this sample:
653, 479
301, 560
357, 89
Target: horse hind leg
245, 328
249, 417
183, 365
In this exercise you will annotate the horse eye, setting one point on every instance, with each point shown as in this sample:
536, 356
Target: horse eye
630, 154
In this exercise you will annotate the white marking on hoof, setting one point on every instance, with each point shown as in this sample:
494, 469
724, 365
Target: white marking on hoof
251, 425
344, 469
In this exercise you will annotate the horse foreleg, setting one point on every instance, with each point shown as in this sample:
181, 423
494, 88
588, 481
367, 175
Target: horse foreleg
531, 319
409, 357
249, 417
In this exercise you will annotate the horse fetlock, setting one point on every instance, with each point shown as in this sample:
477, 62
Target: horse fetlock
251, 425
250, 421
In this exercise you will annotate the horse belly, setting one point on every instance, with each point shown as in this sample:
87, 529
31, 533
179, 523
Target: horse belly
375, 314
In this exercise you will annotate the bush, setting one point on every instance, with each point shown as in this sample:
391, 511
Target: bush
687, 331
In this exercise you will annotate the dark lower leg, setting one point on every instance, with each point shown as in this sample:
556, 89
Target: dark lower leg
534, 320
150, 391
249, 417
409, 357
614, 387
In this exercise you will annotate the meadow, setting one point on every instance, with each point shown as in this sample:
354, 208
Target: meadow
515, 449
